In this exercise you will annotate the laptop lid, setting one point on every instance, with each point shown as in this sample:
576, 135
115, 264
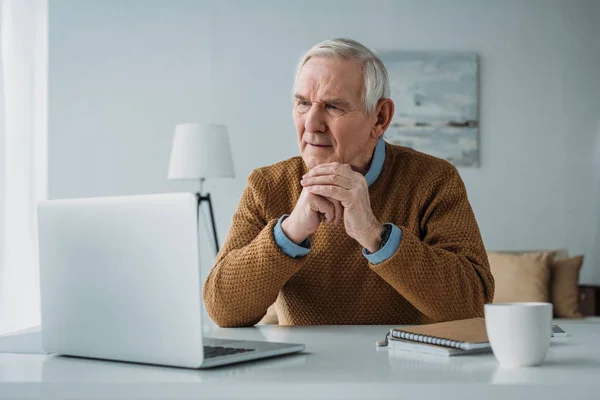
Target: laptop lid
120, 278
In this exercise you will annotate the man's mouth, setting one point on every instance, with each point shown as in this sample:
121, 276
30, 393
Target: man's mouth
320, 145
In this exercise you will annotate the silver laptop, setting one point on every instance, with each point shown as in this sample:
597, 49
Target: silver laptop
120, 280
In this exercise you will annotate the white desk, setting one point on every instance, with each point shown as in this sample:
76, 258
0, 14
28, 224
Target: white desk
339, 362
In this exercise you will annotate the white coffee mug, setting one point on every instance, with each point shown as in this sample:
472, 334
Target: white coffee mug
519, 333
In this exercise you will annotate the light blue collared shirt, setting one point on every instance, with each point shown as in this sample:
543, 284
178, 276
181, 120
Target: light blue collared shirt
293, 250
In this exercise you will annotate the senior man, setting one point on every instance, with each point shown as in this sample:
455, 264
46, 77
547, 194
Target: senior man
356, 230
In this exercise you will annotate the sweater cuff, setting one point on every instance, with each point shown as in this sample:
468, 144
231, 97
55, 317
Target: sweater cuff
286, 245
388, 249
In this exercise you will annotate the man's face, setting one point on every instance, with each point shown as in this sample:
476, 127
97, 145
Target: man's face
329, 114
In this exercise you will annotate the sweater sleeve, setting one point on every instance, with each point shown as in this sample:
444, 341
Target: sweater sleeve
444, 271
250, 269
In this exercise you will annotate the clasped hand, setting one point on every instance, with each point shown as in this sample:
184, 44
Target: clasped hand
333, 192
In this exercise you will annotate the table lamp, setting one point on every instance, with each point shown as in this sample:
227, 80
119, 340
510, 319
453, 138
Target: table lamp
201, 151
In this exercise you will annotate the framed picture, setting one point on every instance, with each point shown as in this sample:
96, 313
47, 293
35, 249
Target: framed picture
436, 98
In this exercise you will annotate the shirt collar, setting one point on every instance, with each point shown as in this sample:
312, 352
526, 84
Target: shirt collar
376, 162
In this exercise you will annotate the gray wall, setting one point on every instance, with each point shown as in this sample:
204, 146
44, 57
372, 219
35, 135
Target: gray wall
124, 72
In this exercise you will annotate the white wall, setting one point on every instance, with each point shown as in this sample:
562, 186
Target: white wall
124, 72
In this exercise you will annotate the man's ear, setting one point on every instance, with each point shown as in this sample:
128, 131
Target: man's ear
384, 112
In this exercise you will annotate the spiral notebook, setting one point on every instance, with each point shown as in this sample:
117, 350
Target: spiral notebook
466, 334
400, 348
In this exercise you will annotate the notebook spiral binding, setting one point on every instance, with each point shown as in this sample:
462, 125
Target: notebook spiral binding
428, 339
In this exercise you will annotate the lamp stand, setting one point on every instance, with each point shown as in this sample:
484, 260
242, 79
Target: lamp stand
206, 197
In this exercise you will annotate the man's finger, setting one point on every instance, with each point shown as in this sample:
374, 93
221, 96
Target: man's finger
330, 169
324, 207
339, 211
330, 191
337, 180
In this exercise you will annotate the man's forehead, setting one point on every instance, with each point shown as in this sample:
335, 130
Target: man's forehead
329, 79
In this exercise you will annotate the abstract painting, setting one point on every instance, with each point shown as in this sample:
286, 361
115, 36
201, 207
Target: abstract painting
436, 98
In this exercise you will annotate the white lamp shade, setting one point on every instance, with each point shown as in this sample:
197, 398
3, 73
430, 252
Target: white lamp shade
201, 151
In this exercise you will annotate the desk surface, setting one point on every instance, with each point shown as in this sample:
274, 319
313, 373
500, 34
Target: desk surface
339, 362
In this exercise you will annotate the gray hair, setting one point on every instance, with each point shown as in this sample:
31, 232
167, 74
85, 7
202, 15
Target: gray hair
376, 84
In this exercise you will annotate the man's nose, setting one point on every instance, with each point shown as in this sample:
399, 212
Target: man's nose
315, 119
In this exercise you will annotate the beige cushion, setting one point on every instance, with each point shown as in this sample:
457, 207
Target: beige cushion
564, 287
521, 277
558, 253
271, 317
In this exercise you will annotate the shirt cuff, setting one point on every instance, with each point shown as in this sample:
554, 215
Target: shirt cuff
388, 249
286, 245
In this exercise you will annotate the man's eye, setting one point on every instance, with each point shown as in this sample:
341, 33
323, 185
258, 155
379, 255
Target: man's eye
304, 103
332, 107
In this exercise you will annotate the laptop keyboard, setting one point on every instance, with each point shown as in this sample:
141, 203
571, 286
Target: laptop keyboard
218, 351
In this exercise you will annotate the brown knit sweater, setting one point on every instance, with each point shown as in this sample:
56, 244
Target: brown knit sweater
439, 272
